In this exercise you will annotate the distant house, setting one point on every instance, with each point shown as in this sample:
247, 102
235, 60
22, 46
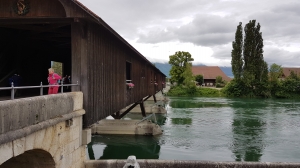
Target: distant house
209, 74
287, 71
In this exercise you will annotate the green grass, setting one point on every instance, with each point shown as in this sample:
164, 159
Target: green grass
195, 91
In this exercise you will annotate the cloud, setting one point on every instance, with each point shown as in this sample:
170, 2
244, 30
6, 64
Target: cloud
157, 28
204, 30
281, 57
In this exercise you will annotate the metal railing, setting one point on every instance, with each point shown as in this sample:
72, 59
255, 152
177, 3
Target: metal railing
41, 86
151, 115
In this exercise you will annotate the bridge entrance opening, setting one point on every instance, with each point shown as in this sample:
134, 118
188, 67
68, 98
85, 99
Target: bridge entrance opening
58, 67
27, 48
32, 158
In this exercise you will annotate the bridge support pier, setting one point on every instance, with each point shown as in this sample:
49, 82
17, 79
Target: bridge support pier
43, 132
126, 127
55, 146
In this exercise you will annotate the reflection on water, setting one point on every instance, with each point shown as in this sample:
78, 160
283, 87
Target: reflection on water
143, 147
194, 103
216, 129
183, 121
248, 128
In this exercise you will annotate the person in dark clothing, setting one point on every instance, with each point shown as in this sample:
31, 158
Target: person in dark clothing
65, 82
15, 80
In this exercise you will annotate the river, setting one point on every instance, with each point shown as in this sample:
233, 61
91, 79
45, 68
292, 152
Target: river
214, 129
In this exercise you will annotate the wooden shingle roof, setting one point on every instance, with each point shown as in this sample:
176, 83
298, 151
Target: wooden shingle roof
210, 72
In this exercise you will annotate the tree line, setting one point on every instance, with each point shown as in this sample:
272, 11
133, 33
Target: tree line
252, 76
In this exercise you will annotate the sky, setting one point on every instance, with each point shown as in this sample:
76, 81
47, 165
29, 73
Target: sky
204, 28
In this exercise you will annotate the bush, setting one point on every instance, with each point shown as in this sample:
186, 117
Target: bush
220, 85
194, 91
208, 92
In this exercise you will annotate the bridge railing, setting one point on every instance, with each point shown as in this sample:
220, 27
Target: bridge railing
41, 86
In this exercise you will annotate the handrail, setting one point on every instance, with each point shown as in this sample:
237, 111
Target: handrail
12, 88
145, 118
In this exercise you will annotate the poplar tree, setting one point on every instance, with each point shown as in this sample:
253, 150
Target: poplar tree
248, 65
254, 64
236, 54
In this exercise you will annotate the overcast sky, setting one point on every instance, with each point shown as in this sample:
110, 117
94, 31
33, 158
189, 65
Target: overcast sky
205, 28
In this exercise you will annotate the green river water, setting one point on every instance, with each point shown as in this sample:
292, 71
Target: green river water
214, 129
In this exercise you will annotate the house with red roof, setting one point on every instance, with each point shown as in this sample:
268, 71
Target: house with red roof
209, 74
287, 71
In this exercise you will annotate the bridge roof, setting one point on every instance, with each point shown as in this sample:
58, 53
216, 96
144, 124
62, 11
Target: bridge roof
104, 24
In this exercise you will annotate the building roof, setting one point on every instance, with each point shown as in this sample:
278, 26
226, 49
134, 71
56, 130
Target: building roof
287, 71
209, 72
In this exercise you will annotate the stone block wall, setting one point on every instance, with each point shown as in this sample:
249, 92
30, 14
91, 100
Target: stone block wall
42, 131
63, 143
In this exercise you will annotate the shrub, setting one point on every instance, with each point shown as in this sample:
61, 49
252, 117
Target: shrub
193, 91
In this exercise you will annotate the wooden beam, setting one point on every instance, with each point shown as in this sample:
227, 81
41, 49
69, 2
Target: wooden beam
116, 115
143, 108
35, 21
147, 97
128, 110
54, 26
154, 98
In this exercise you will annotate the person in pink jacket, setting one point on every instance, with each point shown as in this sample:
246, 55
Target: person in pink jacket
53, 80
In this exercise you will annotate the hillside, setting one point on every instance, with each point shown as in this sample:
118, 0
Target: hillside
164, 68
227, 71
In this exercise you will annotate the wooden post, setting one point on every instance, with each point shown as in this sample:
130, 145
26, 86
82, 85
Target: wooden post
154, 98
116, 116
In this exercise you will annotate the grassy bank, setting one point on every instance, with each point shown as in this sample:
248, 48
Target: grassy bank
194, 91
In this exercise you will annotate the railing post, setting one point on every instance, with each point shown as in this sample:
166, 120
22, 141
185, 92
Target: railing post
12, 93
62, 86
41, 90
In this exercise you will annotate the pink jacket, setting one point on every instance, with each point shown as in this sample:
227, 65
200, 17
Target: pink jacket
53, 78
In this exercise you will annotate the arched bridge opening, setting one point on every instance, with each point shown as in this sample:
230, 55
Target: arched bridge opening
34, 158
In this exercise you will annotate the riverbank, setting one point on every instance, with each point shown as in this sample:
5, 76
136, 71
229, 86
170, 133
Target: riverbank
195, 91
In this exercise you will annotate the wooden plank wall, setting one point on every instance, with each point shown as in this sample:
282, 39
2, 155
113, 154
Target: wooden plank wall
103, 72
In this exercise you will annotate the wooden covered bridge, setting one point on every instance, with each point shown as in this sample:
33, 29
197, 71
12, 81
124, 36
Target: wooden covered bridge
35, 32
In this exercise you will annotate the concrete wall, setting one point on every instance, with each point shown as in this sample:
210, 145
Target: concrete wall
187, 164
20, 113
